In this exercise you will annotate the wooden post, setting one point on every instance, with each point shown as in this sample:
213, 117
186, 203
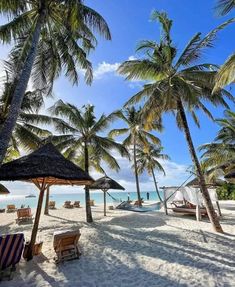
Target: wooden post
46, 211
219, 210
165, 202
35, 225
104, 202
198, 212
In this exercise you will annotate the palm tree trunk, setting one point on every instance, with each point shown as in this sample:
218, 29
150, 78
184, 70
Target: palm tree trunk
136, 175
209, 207
155, 183
46, 211
87, 191
18, 95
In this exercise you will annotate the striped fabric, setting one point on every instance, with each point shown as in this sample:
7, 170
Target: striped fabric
11, 247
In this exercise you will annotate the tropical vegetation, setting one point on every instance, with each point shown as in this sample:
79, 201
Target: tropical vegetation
176, 84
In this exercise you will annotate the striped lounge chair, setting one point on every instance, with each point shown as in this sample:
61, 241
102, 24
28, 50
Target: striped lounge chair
11, 248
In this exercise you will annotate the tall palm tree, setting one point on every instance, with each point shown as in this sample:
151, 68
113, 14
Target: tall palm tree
136, 135
219, 156
51, 37
148, 159
176, 85
82, 138
226, 74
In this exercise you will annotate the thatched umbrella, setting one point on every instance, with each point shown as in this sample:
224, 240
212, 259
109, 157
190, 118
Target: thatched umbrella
3, 189
230, 176
105, 183
214, 183
44, 167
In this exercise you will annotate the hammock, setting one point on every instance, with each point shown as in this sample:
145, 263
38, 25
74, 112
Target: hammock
146, 208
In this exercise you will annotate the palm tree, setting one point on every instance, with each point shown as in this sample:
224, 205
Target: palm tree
219, 156
25, 134
226, 74
176, 85
136, 135
82, 139
50, 36
148, 159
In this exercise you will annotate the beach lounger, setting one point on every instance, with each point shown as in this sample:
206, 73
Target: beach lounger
137, 202
24, 215
2, 210
92, 202
68, 204
66, 245
51, 205
189, 210
11, 248
76, 204
11, 208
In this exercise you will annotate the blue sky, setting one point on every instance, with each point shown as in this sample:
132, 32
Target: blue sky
129, 23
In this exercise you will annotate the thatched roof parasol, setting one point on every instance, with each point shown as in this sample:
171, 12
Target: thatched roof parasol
230, 176
105, 183
3, 189
44, 167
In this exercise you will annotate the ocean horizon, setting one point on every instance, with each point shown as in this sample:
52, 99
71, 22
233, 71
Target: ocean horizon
97, 196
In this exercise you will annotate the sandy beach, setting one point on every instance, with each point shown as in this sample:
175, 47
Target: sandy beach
131, 249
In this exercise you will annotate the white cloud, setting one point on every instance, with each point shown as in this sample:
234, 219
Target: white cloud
104, 69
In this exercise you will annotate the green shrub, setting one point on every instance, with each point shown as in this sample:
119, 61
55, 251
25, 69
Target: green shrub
227, 191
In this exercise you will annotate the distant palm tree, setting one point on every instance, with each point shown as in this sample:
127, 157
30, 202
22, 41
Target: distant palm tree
136, 135
148, 159
176, 85
219, 156
226, 74
50, 37
82, 141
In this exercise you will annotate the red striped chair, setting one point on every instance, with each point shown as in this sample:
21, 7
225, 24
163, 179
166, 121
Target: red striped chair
11, 248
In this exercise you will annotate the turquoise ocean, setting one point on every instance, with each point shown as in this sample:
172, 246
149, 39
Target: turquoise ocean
19, 200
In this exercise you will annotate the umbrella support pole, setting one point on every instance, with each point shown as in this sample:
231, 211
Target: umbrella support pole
36, 223
46, 211
104, 202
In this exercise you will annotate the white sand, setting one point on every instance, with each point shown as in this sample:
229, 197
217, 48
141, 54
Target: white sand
131, 249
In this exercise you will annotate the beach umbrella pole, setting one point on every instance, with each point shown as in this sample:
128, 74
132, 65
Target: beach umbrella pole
46, 211
36, 222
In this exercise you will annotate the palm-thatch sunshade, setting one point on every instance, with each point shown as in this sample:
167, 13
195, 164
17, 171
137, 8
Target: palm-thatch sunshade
3, 189
44, 167
105, 183
214, 183
230, 176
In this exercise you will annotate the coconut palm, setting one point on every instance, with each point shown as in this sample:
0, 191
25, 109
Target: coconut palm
219, 156
226, 74
51, 37
148, 159
136, 135
176, 85
82, 139
25, 135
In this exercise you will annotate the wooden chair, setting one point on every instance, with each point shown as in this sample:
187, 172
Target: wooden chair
76, 204
51, 205
92, 202
11, 208
11, 248
67, 204
24, 215
66, 245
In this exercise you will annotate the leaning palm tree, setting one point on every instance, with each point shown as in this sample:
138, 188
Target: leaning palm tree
51, 37
176, 85
148, 159
82, 139
136, 135
226, 74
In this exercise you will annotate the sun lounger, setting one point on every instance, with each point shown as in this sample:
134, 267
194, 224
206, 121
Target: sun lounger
92, 202
76, 204
24, 215
11, 208
189, 210
11, 248
137, 202
66, 245
68, 204
51, 205
2, 210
